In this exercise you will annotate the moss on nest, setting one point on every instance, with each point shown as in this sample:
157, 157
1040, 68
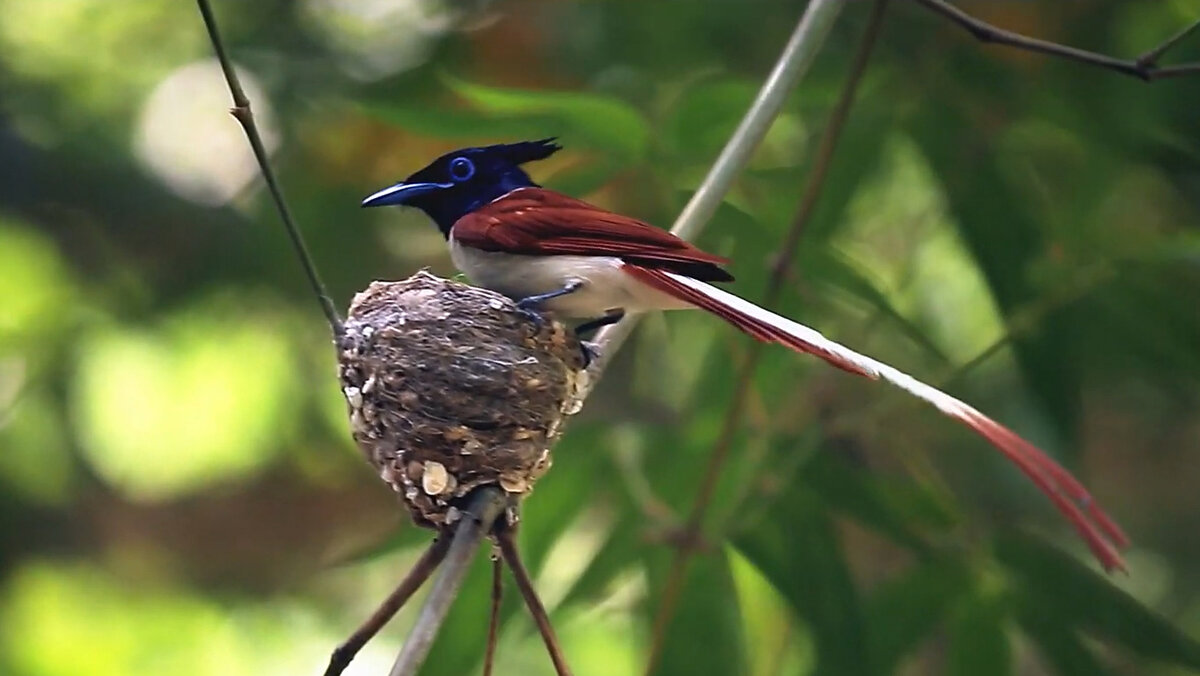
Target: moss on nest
450, 387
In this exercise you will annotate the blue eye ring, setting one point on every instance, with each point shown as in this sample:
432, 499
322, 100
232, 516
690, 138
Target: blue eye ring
461, 169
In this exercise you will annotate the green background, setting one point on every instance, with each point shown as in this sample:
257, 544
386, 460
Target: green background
178, 490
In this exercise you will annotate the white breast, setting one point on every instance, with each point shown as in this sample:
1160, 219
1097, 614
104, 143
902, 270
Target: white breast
605, 286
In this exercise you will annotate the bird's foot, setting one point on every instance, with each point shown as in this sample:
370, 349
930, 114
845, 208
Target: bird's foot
527, 308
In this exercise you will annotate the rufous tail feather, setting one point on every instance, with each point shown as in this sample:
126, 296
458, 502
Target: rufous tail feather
1101, 534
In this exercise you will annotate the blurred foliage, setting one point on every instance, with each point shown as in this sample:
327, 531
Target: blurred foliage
178, 490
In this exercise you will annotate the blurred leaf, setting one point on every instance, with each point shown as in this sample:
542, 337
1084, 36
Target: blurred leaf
36, 290
62, 620
200, 401
830, 266
420, 117
1000, 227
1059, 644
797, 549
620, 550
35, 462
704, 115
705, 635
582, 179
979, 643
1062, 587
903, 612
589, 120
898, 510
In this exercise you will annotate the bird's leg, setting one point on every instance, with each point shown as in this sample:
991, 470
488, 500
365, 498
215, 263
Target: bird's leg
611, 317
589, 349
528, 305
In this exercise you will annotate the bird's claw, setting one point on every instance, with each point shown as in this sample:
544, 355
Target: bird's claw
533, 316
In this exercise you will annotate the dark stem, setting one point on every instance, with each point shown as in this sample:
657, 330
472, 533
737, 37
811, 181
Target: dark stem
1144, 67
420, 572
489, 655
242, 113
484, 505
505, 537
823, 158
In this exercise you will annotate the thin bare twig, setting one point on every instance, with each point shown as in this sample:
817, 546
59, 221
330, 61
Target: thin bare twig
245, 116
505, 537
421, 571
489, 655
484, 505
733, 418
1144, 67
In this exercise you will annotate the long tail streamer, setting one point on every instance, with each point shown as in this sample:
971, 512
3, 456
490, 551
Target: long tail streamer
1100, 532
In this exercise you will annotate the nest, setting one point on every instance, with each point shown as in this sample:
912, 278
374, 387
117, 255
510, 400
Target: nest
450, 387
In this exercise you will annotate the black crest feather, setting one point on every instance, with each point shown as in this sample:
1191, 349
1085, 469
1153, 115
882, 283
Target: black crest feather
526, 151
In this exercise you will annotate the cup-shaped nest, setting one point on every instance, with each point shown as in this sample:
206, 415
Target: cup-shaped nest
450, 387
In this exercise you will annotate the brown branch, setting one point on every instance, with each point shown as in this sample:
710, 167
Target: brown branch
484, 505
489, 655
733, 417
508, 549
420, 572
1144, 67
245, 116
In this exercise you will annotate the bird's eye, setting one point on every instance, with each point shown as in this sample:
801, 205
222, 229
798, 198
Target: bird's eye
461, 169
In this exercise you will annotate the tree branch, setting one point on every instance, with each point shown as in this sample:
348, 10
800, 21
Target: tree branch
245, 116
489, 654
508, 549
797, 55
733, 418
1144, 67
421, 570
484, 505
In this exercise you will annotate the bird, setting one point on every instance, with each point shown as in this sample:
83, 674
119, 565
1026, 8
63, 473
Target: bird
553, 253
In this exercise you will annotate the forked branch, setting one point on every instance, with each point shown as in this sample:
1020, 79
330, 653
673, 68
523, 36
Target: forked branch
484, 506
505, 537
489, 654
1144, 67
420, 572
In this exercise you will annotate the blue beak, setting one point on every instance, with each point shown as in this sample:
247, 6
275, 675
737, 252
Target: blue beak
401, 193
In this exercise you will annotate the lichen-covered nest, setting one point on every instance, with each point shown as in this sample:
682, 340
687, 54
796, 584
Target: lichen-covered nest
450, 387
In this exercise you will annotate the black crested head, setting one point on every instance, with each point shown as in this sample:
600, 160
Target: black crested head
459, 182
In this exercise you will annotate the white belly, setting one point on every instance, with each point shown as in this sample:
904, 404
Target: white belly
604, 285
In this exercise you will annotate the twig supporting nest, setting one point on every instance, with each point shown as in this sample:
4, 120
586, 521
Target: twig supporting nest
421, 570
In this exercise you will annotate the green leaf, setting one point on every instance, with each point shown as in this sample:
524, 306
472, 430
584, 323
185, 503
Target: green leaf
582, 179
979, 643
1060, 586
619, 551
704, 115
898, 510
1003, 231
797, 549
902, 612
705, 635
1059, 644
832, 267
590, 120
419, 117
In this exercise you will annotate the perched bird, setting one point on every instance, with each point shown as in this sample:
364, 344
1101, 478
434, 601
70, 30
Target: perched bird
555, 253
